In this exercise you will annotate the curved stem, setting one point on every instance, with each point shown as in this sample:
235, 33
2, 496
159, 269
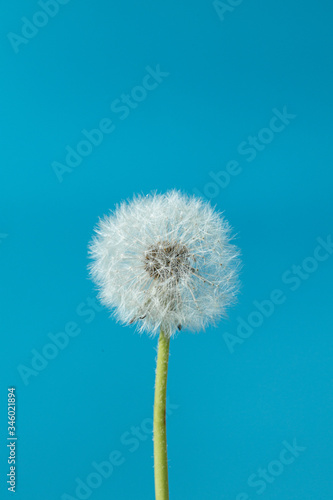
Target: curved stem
160, 441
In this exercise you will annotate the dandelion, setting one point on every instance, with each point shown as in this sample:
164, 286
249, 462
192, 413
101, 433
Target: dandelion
164, 263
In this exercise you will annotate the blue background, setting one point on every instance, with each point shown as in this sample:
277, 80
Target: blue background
231, 412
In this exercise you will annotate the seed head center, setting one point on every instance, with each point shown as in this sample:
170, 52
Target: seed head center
167, 260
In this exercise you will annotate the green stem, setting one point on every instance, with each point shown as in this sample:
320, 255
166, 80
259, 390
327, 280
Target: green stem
160, 440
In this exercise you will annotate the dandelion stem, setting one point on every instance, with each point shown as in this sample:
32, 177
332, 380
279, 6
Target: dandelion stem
160, 440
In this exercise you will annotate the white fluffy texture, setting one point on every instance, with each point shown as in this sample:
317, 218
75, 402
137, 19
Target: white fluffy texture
165, 261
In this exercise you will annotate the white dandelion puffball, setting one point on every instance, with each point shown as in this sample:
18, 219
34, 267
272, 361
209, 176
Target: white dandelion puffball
165, 261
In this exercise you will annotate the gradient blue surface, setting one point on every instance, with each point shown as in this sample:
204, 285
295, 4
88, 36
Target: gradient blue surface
234, 400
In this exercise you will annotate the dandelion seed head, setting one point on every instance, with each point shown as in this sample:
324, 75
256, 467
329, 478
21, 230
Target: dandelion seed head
165, 260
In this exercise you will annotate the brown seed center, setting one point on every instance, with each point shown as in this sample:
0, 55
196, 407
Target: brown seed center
167, 260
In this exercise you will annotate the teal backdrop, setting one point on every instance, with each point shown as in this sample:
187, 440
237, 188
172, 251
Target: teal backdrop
231, 101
